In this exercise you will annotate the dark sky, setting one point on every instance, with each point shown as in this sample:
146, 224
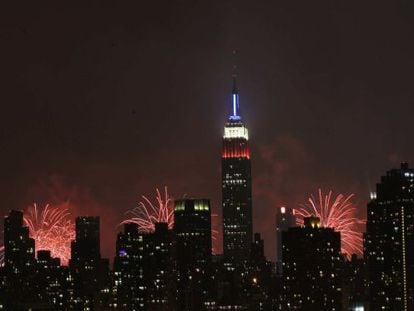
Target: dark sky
103, 103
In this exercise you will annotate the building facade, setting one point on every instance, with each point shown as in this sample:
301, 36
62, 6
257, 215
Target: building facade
312, 267
19, 262
285, 219
90, 271
192, 228
236, 186
389, 241
160, 269
129, 286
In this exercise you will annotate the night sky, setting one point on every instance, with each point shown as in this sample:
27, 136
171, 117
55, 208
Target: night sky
104, 103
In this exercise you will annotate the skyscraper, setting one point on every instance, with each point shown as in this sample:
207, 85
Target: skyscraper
87, 244
19, 261
159, 269
311, 267
236, 185
285, 219
19, 248
129, 269
51, 282
192, 228
389, 241
90, 271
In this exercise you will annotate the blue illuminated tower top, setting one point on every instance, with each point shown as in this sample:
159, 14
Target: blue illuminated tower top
234, 116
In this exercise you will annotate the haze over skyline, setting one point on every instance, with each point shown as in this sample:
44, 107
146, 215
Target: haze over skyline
101, 110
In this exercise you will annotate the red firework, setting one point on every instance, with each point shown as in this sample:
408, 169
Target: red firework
52, 229
214, 234
338, 213
147, 214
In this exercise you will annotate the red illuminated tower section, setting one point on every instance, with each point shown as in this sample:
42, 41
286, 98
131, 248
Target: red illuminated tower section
236, 186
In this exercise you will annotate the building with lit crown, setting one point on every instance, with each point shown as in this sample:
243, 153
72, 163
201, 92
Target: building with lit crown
192, 228
236, 186
389, 242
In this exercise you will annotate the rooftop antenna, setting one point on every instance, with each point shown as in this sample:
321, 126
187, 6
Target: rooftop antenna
235, 93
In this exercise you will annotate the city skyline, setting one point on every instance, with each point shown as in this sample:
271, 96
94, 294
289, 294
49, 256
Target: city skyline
147, 213
98, 113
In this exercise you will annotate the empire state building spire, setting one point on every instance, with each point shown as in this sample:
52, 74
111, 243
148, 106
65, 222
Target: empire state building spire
235, 101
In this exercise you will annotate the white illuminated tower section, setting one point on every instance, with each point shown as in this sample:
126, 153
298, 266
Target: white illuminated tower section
236, 186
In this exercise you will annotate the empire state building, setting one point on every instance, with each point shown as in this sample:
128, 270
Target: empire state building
236, 185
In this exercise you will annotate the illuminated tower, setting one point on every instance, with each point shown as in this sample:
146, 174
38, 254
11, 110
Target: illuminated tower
236, 186
389, 242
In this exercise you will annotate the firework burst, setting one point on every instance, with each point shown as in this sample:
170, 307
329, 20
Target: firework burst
52, 229
338, 213
147, 213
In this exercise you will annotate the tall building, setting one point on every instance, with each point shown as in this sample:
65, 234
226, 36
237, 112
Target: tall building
128, 274
258, 282
285, 219
192, 228
389, 241
236, 186
88, 242
312, 267
90, 271
19, 261
51, 282
354, 284
159, 269
19, 248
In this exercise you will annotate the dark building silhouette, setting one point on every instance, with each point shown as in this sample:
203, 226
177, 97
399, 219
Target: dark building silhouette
128, 274
192, 228
90, 272
52, 282
236, 186
258, 288
227, 293
354, 284
251, 285
159, 269
285, 219
389, 241
311, 267
19, 260
19, 248
87, 243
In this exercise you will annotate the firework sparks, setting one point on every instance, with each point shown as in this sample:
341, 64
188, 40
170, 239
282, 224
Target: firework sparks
147, 213
52, 229
338, 213
214, 234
